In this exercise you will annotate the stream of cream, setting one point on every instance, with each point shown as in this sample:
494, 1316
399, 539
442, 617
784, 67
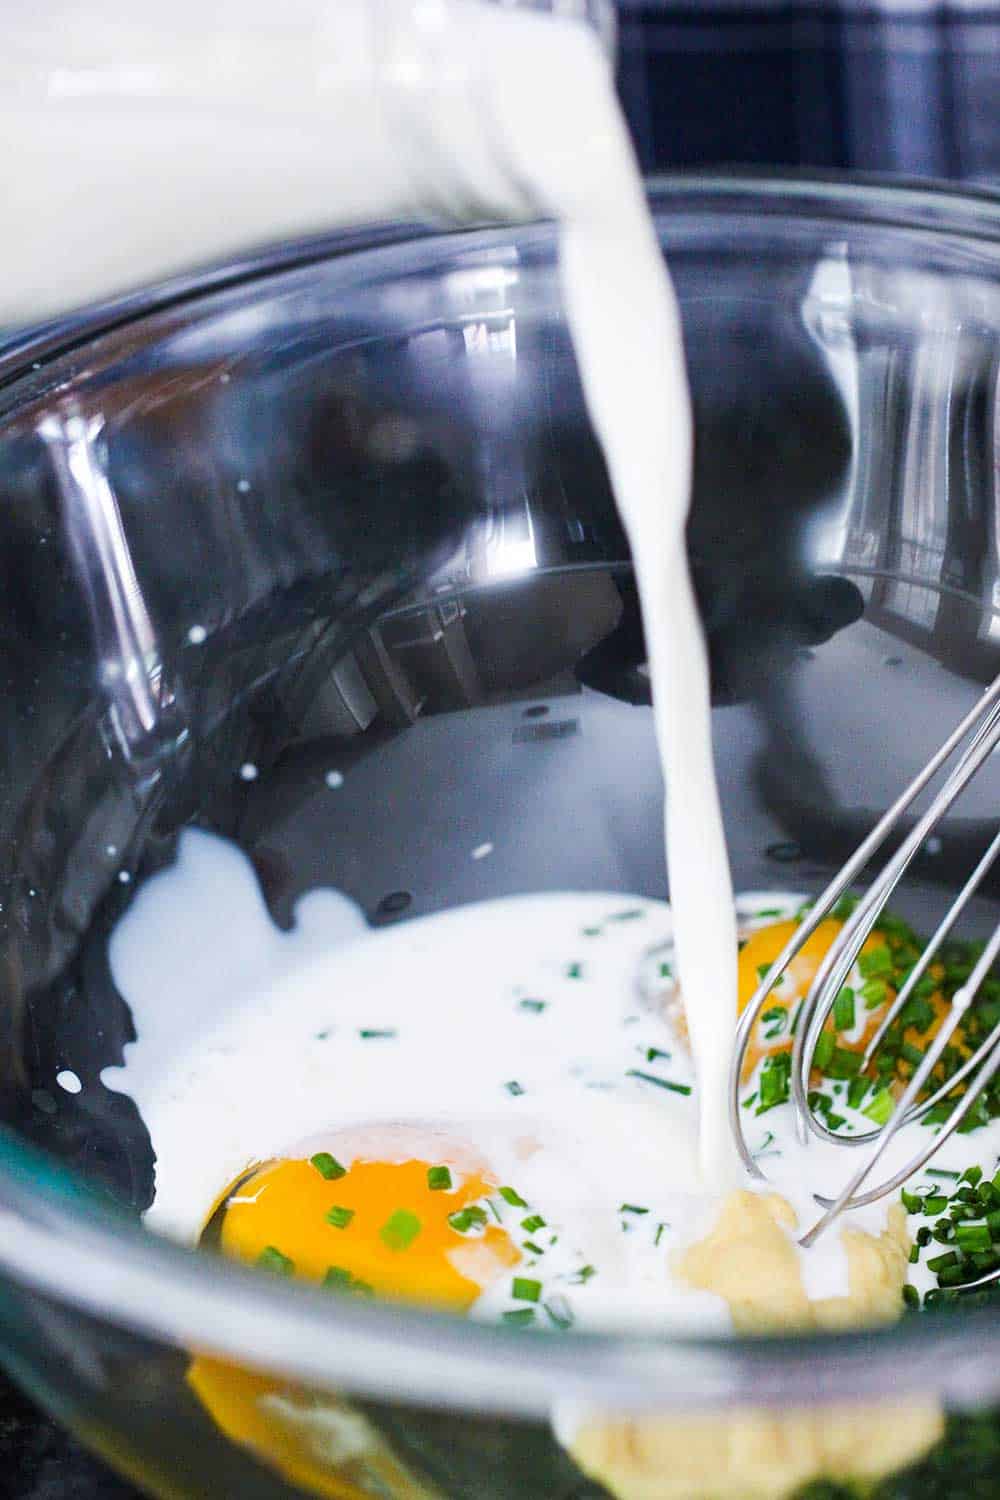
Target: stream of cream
626, 331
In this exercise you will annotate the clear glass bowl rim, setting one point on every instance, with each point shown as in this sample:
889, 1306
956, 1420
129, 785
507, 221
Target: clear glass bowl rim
59, 1241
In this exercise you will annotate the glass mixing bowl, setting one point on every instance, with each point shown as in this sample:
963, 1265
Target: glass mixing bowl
341, 506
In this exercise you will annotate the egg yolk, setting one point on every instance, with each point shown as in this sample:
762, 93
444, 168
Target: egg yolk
395, 1229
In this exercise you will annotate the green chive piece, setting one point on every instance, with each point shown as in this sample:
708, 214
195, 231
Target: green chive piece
327, 1166
584, 1274
534, 1006
775, 1076
769, 911
652, 1053
666, 972
661, 1083
843, 1064
438, 1179
972, 1175
973, 1236
520, 1317
856, 1091
935, 1204
513, 1087
535, 1249
533, 1222
337, 1279
824, 1051
762, 971
591, 931
524, 1289
843, 1009
627, 916
559, 1312
574, 971
272, 1259
514, 1199
465, 1219
914, 1254
881, 1107
632, 1208
911, 1297
876, 964
659, 1232
938, 1263
912, 1202
339, 1217
369, 1035
874, 992
400, 1230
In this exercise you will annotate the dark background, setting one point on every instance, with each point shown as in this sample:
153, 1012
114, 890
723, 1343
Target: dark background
908, 90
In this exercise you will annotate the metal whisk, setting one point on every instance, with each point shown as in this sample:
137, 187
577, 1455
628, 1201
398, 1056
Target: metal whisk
972, 741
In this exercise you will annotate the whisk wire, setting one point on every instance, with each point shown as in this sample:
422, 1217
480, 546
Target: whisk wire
975, 736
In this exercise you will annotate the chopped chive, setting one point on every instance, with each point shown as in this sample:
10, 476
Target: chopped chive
843, 1064
923, 1236
762, 971
535, 1249
914, 1254
520, 1317
338, 1279
524, 1289
973, 1176
659, 1232
513, 1087
911, 1054
935, 1204
874, 992
856, 1091
666, 972
339, 1217
662, 1083
824, 1051
559, 1311
918, 1013
652, 1053
627, 916
876, 964
327, 1166
912, 1202
370, 1035
533, 1222
494, 1210
514, 1199
400, 1230
911, 1297
632, 1208
974, 1236
939, 1263
271, 1259
774, 1081
438, 1179
584, 1274
843, 1009
749, 1100
574, 971
535, 1006
769, 911
465, 1219
591, 931
881, 1107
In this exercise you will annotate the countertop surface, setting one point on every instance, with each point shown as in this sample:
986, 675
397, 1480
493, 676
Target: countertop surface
39, 1461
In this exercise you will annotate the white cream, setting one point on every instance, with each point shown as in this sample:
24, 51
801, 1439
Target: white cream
249, 1047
